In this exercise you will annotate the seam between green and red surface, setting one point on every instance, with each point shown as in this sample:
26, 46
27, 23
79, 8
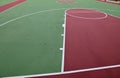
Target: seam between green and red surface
10, 5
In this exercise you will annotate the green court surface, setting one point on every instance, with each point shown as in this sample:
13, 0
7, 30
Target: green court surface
30, 35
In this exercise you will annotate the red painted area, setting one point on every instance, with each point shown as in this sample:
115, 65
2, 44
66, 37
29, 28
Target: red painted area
112, 2
91, 43
10, 5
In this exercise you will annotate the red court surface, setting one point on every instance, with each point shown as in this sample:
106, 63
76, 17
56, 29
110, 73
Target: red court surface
108, 73
92, 45
92, 40
10, 5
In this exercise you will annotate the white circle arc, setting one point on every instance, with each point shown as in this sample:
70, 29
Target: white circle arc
88, 12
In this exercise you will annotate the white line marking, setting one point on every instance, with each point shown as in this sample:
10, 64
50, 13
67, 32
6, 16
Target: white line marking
95, 18
53, 10
29, 15
62, 69
99, 9
68, 72
63, 53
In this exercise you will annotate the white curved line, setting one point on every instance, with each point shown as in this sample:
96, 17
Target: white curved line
95, 18
53, 10
29, 15
60, 73
98, 9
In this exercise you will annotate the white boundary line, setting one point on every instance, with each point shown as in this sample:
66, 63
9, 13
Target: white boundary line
62, 69
96, 18
63, 52
69, 72
13, 7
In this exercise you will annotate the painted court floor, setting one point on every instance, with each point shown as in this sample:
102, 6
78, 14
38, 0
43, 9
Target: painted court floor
90, 43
